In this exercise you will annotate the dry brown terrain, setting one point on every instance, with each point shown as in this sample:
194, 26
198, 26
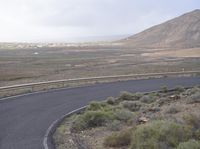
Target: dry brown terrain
181, 53
171, 46
33, 65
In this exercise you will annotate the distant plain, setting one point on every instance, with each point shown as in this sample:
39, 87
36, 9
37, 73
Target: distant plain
26, 65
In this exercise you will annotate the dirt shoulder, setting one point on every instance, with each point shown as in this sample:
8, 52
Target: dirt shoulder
183, 53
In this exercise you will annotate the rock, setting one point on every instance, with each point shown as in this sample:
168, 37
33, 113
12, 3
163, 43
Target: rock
143, 120
174, 97
154, 109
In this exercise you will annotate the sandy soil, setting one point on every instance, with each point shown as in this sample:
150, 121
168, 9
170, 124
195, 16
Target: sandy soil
175, 53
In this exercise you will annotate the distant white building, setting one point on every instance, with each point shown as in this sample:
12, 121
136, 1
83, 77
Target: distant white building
36, 53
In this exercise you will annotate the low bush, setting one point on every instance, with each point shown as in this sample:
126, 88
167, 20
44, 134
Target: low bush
179, 89
111, 100
125, 96
192, 91
164, 89
192, 119
162, 100
160, 134
124, 115
114, 125
191, 144
147, 99
132, 105
154, 109
154, 94
173, 109
129, 96
61, 129
195, 98
95, 106
197, 134
91, 119
118, 139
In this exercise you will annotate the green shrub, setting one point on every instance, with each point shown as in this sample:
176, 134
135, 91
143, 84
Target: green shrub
154, 109
195, 98
95, 106
110, 100
137, 95
159, 134
125, 96
162, 100
197, 134
114, 125
118, 139
132, 105
147, 99
123, 115
61, 129
164, 89
191, 144
179, 89
192, 119
173, 109
78, 124
129, 96
91, 119
192, 91
154, 94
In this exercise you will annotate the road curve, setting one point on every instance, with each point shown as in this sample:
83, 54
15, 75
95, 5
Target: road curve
25, 119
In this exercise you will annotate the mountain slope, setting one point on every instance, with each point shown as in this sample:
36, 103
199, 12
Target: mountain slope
180, 32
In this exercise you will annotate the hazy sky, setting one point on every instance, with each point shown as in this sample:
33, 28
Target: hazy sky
65, 20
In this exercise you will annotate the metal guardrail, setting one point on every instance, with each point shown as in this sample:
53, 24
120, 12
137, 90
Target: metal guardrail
63, 83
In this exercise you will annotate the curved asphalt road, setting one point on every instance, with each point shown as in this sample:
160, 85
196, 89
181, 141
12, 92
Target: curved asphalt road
24, 120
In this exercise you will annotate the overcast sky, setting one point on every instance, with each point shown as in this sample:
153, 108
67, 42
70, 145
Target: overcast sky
67, 20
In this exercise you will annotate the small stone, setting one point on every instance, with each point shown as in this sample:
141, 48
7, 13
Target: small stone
174, 97
143, 120
71, 141
154, 109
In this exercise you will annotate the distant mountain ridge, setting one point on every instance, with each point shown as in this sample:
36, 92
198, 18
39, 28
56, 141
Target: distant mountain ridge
180, 32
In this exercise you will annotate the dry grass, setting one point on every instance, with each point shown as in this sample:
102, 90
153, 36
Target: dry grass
195, 52
22, 66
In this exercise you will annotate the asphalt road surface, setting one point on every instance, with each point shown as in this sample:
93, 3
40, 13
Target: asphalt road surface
24, 120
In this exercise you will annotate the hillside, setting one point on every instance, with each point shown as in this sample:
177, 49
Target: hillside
180, 32
159, 120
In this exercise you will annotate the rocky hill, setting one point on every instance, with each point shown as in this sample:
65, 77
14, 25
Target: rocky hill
180, 32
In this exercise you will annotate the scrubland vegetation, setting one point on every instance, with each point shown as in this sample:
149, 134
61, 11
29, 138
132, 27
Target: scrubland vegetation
159, 120
19, 66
